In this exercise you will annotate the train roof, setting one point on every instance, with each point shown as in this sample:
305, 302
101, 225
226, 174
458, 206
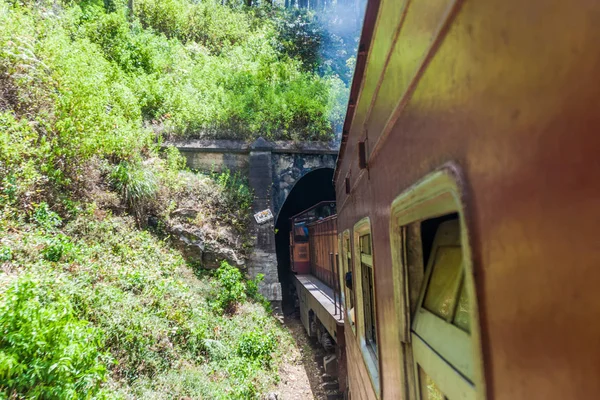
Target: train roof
366, 35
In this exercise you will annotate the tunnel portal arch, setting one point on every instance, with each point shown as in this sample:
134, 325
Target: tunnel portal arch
290, 168
313, 187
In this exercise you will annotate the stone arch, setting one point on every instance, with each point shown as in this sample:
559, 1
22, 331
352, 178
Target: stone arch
289, 168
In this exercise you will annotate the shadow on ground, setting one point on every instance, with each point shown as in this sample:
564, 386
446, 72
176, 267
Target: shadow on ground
305, 379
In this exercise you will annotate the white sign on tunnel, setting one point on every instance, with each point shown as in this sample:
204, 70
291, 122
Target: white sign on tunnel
263, 216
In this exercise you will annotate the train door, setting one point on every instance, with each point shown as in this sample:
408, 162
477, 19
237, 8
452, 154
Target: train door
300, 252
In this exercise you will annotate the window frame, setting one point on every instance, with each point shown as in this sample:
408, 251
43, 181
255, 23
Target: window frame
348, 298
372, 359
439, 193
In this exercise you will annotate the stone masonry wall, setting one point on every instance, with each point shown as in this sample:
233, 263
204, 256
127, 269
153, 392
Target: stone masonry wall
289, 168
272, 169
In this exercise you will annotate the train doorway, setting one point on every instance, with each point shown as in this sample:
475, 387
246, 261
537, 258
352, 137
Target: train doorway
312, 188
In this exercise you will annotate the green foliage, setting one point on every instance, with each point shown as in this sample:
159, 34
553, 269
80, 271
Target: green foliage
137, 185
59, 247
231, 288
253, 292
300, 35
21, 153
145, 310
63, 103
226, 74
5, 253
257, 345
174, 160
235, 186
45, 217
46, 351
207, 23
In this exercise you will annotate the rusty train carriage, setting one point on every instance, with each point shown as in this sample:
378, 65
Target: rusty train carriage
313, 242
323, 245
467, 191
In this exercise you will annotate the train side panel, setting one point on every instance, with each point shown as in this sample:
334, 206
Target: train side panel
508, 92
323, 245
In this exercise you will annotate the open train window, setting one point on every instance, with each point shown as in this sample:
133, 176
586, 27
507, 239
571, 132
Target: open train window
366, 307
346, 279
300, 232
435, 292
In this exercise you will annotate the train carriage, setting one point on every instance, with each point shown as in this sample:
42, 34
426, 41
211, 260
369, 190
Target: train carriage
468, 190
467, 195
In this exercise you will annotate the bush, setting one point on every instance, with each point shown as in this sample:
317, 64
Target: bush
230, 288
257, 345
137, 186
58, 248
45, 350
45, 217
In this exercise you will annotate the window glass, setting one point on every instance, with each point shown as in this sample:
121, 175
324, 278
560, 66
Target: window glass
429, 390
365, 306
447, 271
462, 318
445, 325
369, 306
365, 244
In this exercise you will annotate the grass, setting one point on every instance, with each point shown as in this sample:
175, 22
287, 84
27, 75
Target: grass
120, 315
94, 301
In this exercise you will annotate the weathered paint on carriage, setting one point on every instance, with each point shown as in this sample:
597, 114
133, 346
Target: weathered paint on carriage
301, 258
323, 242
508, 91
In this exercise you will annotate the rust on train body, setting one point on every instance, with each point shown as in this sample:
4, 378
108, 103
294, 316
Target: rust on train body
473, 206
303, 244
323, 248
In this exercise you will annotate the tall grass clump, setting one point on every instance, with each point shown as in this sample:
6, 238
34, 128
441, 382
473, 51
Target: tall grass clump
137, 186
46, 351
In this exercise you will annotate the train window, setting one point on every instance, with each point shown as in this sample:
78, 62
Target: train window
366, 307
300, 232
440, 346
462, 317
441, 295
346, 279
368, 295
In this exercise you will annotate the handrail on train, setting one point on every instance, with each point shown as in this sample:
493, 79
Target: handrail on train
321, 220
304, 218
321, 203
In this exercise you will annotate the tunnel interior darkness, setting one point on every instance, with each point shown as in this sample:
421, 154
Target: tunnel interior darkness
312, 188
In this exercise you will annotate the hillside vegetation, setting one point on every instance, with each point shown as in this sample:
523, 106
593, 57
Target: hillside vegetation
176, 67
95, 302
95, 308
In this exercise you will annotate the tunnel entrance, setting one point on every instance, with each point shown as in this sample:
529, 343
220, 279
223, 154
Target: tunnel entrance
312, 188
